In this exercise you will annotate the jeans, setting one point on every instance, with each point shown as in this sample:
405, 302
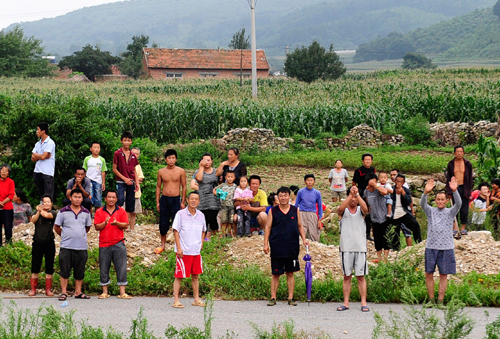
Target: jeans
118, 255
130, 197
243, 227
96, 194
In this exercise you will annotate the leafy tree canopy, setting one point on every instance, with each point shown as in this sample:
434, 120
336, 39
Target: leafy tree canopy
314, 62
131, 64
22, 56
90, 61
416, 60
239, 40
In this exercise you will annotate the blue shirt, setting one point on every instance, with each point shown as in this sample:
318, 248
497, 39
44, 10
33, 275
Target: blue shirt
307, 199
73, 227
46, 166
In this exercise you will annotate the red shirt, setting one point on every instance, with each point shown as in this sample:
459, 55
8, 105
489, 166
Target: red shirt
7, 190
126, 168
110, 235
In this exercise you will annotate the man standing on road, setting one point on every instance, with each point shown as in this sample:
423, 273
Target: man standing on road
44, 156
170, 186
258, 206
110, 221
353, 246
72, 224
189, 230
461, 169
359, 180
283, 229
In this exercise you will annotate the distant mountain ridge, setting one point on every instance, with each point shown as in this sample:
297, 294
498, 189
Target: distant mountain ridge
474, 35
211, 23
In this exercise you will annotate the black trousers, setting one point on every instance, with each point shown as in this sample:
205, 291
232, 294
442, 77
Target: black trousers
6, 220
411, 223
44, 184
39, 250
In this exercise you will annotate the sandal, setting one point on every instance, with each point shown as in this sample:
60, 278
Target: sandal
365, 309
124, 296
342, 308
104, 296
82, 296
198, 303
177, 304
158, 250
464, 232
63, 297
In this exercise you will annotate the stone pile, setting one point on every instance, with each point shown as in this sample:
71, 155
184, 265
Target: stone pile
456, 133
365, 136
255, 138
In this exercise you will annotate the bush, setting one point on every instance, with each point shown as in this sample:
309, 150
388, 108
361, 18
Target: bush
417, 131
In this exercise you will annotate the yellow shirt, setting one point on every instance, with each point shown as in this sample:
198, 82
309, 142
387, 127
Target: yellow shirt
140, 175
261, 197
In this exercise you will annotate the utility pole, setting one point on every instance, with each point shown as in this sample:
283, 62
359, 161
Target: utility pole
254, 49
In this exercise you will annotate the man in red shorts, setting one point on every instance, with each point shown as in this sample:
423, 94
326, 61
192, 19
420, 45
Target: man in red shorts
189, 230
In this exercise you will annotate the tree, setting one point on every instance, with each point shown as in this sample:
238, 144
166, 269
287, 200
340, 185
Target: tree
496, 9
239, 41
20, 55
131, 64
416, 60
314, 62
90, 61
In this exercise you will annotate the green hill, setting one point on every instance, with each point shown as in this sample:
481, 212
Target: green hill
471, 36
211, 23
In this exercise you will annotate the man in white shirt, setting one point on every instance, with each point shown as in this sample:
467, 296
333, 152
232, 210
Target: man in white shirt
44, 156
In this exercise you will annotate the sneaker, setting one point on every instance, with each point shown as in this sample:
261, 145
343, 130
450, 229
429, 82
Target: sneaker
261, 232
271, 302
292, 302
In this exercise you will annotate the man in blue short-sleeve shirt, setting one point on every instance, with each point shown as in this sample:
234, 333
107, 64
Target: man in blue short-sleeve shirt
72, 224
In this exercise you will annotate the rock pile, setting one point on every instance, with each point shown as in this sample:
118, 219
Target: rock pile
256, 138
456, 133
365, 136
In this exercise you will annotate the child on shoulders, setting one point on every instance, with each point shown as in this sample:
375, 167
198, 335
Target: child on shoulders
383, 177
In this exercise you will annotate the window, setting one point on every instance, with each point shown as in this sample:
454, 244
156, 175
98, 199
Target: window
174, 75
208, 75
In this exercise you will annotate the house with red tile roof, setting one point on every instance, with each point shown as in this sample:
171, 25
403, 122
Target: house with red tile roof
172, 63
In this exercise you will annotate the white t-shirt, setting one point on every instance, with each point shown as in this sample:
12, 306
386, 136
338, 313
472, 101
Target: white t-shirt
338, 180
94, 168
190, 228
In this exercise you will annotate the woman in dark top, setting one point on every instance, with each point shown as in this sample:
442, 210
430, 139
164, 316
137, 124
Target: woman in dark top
43, 244
232, 163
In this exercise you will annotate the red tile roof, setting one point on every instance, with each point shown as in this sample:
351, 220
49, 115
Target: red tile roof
203, 58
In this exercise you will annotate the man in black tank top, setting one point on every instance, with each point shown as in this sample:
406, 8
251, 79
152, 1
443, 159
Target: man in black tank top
283, 228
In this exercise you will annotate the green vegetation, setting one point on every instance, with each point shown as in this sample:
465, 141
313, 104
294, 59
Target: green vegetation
239, 40
21, 55
474, 35
314, 62
131, 63
416, 61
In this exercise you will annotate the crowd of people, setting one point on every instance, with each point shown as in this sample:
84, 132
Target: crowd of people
226, 201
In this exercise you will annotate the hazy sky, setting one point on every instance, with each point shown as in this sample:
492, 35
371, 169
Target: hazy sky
13, 11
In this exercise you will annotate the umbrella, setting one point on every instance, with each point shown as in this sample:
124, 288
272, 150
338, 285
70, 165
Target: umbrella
308, 274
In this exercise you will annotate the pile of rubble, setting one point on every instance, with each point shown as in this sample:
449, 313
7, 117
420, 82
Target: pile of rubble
456, 133
255, 138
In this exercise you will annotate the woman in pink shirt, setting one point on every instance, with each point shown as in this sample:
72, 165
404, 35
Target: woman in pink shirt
7, 192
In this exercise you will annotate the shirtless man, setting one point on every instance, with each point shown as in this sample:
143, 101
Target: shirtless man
461, 169
168, 198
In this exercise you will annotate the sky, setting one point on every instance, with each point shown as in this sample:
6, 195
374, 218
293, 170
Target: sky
14, 11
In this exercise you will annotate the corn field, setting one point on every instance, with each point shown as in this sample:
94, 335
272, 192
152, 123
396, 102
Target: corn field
173, 111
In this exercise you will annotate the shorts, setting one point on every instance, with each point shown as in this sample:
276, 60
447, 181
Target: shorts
406, 231
340, 195
211, 219
187, 265
443, 259
138, 206
169, 206
227, 214
354, 261
388, 199
96, 194
282, 265
72, 259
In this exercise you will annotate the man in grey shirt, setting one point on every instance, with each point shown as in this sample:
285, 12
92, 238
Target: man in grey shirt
439, 248
353, 246
81, 182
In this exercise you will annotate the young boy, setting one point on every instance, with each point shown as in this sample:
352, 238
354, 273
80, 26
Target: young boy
138, 193
307, 199
124, 162
440, 248
227, 204
383, 177
170, 186
189, 230
95, 165
481, 205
